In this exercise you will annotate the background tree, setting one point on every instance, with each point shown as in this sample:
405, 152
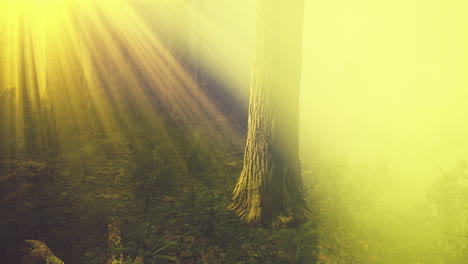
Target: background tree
269, 190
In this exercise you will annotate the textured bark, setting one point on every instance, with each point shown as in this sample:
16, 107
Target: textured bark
269, 190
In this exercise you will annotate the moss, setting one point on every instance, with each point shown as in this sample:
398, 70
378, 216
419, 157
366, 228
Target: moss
37, 252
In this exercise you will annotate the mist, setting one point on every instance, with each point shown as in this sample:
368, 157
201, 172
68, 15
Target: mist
383, 109
383, 103
154, 95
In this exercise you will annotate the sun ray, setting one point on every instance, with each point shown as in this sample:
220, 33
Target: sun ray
75, 69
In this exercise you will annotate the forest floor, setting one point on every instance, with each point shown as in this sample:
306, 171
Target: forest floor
167, 215
185, 222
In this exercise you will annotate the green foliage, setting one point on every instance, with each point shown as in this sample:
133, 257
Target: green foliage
150, 242
357, 228
202, 159
299, 244
450, 198
211, 217
156, 166
154, 251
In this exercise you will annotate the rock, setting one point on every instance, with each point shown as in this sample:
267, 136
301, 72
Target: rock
37, 252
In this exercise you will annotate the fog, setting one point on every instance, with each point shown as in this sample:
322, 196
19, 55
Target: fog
383, 107
383, 86
383, 104
384, 99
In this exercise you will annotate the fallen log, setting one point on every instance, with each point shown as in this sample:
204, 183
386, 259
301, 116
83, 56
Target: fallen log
37, 252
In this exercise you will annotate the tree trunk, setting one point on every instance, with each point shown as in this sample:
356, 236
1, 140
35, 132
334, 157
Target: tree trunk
269, 190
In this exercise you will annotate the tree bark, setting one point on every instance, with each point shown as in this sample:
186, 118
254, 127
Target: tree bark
269, 190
